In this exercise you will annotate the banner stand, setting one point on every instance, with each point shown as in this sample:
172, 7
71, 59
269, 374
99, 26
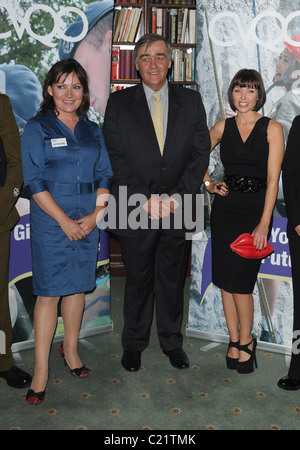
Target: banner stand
223, 339
27, 345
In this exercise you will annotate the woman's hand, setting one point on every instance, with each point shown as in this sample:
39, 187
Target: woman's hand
72, 229
297, 229
218, 188
69, 226
260, 235
87, 223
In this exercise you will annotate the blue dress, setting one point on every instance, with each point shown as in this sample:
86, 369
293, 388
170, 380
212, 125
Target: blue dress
71, 166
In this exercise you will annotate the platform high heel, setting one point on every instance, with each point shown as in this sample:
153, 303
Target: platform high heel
81, 372
231, 362
248, 366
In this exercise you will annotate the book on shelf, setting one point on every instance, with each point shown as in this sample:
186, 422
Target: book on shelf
158, 21
126, 24
123, 66
178, 25
192, 26
135, 25
154, 20
120, 14
184, 25
115, 63
173, 25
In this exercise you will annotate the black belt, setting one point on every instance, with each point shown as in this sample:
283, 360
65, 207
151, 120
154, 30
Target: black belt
245, 184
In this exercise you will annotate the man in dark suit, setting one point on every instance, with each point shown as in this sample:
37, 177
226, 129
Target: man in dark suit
9, 192
153, 245
291, 190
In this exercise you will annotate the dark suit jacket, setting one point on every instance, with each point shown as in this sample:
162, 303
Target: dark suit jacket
11, 141
134, 152
291, 174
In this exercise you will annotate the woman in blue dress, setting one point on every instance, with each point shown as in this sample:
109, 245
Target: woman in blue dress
67, 174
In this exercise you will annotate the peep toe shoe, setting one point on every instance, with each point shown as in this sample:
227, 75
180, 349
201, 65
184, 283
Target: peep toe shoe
81, 372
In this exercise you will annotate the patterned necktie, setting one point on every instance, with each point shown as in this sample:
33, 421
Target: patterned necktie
158, 121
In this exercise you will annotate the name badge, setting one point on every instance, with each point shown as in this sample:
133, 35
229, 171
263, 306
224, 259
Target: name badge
59, 142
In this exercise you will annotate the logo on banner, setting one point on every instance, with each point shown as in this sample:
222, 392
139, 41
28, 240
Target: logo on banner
279, 263
245, 35
57, 21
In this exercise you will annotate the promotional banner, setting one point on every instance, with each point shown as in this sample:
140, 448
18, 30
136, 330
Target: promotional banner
263, 35
34, 35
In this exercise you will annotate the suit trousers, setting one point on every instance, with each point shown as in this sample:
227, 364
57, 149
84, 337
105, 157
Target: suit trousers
6, 360
155, 267
294, 244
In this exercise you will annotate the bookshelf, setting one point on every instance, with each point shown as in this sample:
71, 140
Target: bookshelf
175, 21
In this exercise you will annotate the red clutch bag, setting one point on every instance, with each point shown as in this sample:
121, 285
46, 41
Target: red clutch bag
244, 247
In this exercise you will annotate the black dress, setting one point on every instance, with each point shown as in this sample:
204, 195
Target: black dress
238, 212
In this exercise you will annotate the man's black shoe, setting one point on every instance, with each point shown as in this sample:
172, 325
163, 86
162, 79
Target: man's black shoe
290, 384
131, 361
178, 358
16, 378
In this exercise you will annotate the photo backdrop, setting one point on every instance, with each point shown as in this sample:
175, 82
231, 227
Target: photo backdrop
232, 35
31, 33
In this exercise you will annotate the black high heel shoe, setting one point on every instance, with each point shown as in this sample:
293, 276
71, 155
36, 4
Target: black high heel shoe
231, 362
36, 398
247, 366
81, 372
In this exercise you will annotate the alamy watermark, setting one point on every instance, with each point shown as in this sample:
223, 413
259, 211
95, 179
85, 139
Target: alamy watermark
296, 342
130, 212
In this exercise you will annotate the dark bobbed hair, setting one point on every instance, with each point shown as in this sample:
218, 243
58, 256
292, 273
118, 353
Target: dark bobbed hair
62, 69
248, 78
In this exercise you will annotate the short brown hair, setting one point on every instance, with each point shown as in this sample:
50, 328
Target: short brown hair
65, 67
248, 78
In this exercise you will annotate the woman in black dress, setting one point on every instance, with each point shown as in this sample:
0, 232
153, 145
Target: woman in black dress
251, 150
